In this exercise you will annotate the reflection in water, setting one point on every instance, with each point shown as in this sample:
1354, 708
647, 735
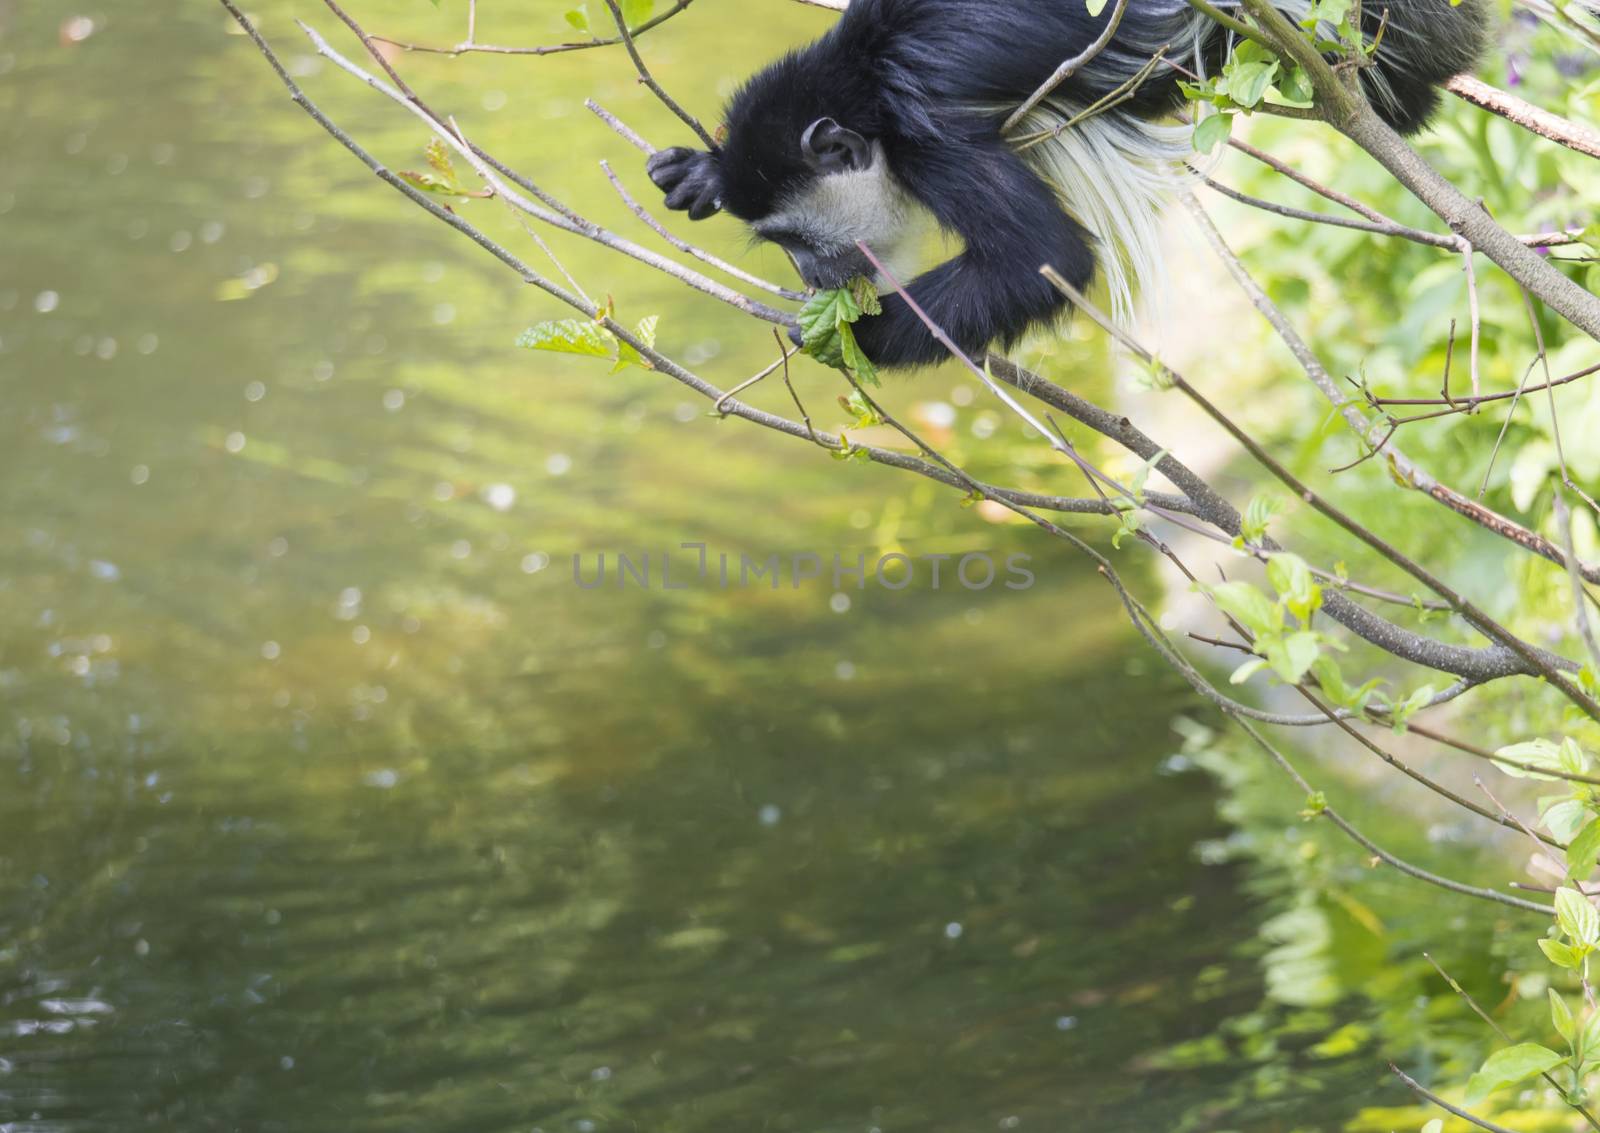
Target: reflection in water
331, 803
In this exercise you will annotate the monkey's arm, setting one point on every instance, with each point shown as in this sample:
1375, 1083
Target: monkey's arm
1012, 224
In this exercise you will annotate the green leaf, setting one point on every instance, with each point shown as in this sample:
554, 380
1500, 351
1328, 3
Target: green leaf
1141, 475
865, 293
1212, 131
1295, 87
1249, 669
1257, 514
1295, 584
863, 412
579, 18
636, 12
1589, 1036
1410, 706
1508, 1067
1251, 607
569, 336
439, 159
1583, 851
1248, 82
820, 320
1577, 917
1326, 11
857, 362
1291, 655
1561, 1016
1564, 817
1535, 753
833, 307
1434, 1126
1095, 6
1560, 954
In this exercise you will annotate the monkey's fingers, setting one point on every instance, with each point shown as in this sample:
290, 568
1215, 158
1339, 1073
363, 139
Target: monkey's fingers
697, 196
668, 167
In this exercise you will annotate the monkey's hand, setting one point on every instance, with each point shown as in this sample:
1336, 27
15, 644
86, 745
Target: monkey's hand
689, 178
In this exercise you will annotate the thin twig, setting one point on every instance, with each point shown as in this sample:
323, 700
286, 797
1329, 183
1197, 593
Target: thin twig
682, 245
1382, 226
470, 44
1423, 1092
1315, 186
1580, 607
649, 80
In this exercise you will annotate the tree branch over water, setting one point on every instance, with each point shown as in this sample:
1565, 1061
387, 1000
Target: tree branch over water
1195, 504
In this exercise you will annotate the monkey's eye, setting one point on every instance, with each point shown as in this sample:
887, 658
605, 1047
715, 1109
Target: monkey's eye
785, 238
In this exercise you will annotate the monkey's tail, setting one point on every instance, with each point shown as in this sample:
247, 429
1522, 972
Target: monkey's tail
1419, 45
1423, 44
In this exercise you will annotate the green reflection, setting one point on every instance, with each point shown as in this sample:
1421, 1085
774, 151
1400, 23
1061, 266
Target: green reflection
332, 803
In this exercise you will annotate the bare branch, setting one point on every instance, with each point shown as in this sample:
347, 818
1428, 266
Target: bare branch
1553, 127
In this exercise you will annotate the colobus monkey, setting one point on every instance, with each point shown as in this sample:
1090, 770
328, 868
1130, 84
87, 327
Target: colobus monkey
897, 111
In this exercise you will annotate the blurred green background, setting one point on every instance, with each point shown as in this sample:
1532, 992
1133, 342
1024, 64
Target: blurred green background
329, 802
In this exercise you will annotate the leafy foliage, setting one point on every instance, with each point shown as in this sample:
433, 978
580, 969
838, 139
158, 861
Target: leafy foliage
443, 180
588, 337
825, 323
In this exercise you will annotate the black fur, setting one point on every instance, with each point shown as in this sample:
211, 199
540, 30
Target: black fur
907, 73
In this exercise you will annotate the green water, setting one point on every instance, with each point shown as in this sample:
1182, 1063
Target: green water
329, 802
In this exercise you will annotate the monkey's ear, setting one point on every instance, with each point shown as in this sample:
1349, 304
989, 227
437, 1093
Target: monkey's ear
830, 148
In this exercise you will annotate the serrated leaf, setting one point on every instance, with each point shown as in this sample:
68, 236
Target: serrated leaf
864, 414
1508, 1067
865, 293
569, 336
1578, 918
439, 160
645, 332
820, 320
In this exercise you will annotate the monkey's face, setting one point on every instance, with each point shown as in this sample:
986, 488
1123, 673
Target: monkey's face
815, 200
845, 197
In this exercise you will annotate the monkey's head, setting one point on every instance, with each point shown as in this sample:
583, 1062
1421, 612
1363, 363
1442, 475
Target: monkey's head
813, 187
